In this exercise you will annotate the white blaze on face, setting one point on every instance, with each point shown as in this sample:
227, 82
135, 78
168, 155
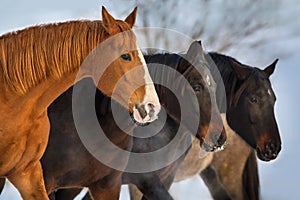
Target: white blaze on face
208, 82
150, 95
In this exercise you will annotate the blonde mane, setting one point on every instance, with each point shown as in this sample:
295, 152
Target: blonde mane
29, 56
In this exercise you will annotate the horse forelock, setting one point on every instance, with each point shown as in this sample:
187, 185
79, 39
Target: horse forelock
31, 55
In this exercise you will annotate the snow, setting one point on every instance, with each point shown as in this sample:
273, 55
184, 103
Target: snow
279, 178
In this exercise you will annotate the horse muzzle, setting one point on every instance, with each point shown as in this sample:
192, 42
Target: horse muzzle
215, 143
269, 151
146, 112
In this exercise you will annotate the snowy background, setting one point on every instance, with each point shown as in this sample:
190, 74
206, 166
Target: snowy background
255, 32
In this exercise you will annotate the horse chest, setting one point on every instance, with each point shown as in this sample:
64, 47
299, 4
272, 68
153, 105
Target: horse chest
193, 163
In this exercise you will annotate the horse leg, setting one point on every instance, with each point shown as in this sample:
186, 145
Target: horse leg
2, 184
155, 192
108, 193
212, 181
250, 178
229, 166
30, 182
67, 194
134, 192
154, 189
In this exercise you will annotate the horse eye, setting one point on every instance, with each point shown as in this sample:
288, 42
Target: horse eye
254, 100
126, 57
197, 88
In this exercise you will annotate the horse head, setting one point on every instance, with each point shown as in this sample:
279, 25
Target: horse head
211, 132
251, 114
129, 81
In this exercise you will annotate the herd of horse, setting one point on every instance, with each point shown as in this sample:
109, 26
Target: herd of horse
199, 113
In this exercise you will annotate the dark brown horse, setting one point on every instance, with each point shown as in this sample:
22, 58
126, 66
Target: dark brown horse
39, 63
249, 91
67, 163
155, 184
233, 173
259, 132
65, 154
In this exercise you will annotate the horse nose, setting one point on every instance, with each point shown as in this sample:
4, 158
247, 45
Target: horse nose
152, 109
222, 138
142, 111
216, 141
146, 112
149, 108
270, 151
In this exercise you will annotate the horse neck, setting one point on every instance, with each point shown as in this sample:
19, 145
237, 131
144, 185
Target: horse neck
47, 60
39, 97
228, 75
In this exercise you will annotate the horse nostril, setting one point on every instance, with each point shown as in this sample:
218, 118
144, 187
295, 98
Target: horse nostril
150, 109
217, 139
142, 111
272, 149
222, 139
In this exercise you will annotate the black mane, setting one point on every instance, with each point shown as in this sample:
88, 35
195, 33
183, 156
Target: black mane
173, 60
232, 84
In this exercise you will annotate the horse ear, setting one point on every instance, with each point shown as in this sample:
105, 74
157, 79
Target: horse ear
270, 69
130, 19
241, 71
109, 23
195, 51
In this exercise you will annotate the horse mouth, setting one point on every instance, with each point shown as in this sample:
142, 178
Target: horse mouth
266, 155
211, 148
137, 122
269, 150
144, 114
215, 143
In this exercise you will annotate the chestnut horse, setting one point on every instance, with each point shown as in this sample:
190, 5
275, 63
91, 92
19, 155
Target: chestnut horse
66, 158
233, 173
39, 63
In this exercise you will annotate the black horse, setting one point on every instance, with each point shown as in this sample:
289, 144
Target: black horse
186, 93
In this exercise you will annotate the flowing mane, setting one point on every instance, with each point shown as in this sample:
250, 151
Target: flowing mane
30, 56
234, 86
162, 74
